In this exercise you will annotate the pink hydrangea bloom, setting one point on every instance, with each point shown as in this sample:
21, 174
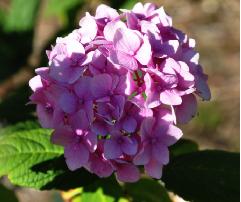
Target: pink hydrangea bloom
115, 88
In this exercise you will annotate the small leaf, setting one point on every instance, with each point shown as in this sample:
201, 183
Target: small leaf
204, 176
147, 190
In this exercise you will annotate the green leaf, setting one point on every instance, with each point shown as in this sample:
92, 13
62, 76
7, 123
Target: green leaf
29, 159
129, 4
204, 176
60, 8
7, 195
147, 190
22, 15
98, 195
183, 146
20, 151
103, 190
27, 125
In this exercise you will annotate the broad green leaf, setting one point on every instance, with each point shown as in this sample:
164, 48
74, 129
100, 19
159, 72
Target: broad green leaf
7, 195
27, 125
20, 151
204, 176
147, 190
29, 159
183, 146
22, 15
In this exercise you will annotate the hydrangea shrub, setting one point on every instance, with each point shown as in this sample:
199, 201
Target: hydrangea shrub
115, 89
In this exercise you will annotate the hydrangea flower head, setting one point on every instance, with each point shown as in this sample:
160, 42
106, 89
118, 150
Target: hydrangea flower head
116, 87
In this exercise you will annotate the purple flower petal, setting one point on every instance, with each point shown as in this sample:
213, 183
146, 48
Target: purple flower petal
143, 55
68, 102
129, 145
170, 97
187, 110
112, 149
160, 153
144, 156
123, 59
101, 85
128, 173
154, 169
129, 124
126, 41
76, 155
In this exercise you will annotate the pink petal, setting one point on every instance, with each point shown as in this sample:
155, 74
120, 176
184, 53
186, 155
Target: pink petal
160, 153
88, 30
129, 124
74, 46
127, 41
143, 55
66, 74
45, 118
203, 89
104, 11
129, 146
153, 100
132, 21
147, 126
62, 136
112, 149
187, 110
173, 134
101, 85
81, 88
168, 48
128, 173
76, 156
162, 17
79, 120
170, 97
123, 59
154, 169
36, 83
68, 102
144, 156
111, 27
100, 166
99, 128
91, 141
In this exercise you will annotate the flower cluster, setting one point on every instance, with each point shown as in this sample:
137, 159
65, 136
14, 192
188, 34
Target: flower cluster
115, 88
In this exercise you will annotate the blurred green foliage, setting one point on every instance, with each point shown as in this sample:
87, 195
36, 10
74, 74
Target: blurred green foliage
209, 117
21, 19
59, 10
